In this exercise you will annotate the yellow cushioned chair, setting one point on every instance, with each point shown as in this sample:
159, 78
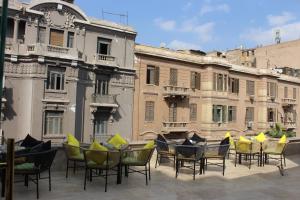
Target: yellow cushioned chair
95, 156
247, 148
117, 141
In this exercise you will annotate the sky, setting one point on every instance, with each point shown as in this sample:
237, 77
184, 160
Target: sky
203, 24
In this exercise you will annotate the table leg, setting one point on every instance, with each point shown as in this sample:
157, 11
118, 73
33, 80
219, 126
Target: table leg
240, 158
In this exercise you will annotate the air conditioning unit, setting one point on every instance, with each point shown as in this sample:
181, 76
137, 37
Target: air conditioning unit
249, 125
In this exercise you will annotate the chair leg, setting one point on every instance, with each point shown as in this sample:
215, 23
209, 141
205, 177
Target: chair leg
49, 180
176, 170
281, 165
235, 159
149, 170
37, 186
74, 167
174, 161
91, 175
284, 160
106, 171
146, 174
67, 168
223, 166
85, 177
194, 170
26, 180
156, 160
250, 162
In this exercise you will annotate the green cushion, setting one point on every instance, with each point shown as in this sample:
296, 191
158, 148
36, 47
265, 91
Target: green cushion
117, 141
143, 155
25, 166
132, 161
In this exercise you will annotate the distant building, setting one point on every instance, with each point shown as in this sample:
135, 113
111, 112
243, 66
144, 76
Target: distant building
66, 73
177, 92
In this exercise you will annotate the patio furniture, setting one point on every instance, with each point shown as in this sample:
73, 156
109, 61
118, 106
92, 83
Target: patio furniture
164, 150
196, 138
73, 154
274, 148
191, 154
248, 149
103, 161
138, 158
35, 164
217, 152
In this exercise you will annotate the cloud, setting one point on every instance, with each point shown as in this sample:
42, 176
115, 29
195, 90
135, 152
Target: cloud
166, 25
208, 8
289, 31
204, 32
278, 20
177, 44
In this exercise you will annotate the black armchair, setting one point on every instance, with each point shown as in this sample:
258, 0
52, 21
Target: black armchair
35, 164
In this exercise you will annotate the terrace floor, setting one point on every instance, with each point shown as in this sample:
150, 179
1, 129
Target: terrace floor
238, 183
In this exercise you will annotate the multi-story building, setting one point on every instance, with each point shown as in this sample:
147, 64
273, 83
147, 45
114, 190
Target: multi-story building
177, 92
66, 73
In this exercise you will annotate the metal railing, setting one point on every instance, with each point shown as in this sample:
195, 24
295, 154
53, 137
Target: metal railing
289, 101
176, 90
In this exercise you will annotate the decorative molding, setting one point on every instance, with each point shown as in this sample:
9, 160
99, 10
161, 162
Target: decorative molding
122, 80
24, 68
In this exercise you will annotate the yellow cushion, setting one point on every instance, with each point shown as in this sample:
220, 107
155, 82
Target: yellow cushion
227, 135
260, 137
244, 140
231, 141
117, 141
72, 141
149, 145
282, 140
97, 157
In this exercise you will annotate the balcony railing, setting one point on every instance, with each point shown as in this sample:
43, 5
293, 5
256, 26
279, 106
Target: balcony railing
104, 100
106, 60
288, 102
175, 126
290, 125
173, 91
54, 51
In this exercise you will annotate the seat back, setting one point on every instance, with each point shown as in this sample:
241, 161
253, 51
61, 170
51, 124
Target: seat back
217, 150
161, 145
42, 160
107, 159
189, 151
243, 147
71, 151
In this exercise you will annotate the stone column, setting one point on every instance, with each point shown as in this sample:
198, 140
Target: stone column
75, 37
16, 29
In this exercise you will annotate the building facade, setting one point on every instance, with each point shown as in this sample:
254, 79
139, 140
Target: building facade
66, 73
177, 92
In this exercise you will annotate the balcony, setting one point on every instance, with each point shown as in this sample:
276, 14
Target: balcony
175, 127
108, 101
105, 60
54, 51
289, 125
288, 102
175, 91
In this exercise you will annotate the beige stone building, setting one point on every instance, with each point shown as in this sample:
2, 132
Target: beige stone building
184, 91
66, 72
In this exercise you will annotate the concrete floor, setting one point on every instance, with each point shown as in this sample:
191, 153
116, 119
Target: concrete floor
238, 183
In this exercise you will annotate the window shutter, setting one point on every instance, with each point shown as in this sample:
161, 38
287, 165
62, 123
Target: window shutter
57, 38
237, 85
214, 81
285, 92
157, 76
173, 77
233, 113
294, 93
193, 81
224, 113
198, 81
214, 111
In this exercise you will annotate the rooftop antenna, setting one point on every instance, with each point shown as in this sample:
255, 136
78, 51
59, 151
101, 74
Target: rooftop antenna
122, 17
277, 36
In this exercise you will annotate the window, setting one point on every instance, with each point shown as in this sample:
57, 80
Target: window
250, 90
152, 75
101, 123
173, 77
41, 35
173, 112
271, 114
219, 113
294, 93
56, 37
195, 80
249, 114
193, 112
219, 82
70, 42
286, 95
56, 78
103, 46
102, 86
231, 113
53, 123
233, 85
21, 32
10, 28
272, 89
149, 111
